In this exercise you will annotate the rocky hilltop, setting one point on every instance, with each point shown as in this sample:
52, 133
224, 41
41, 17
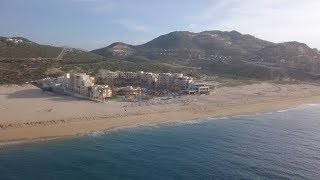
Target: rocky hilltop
214, 53
224, 53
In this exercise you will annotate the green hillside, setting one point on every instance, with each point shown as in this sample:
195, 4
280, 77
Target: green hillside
214, 53
22, 60
225, 53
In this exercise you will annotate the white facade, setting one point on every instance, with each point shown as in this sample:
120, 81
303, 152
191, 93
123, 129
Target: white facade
15, 40
177, 75
128, 75
183, 83
149, 77
100, 91
164, 79
200, 88
107, 75
82, 79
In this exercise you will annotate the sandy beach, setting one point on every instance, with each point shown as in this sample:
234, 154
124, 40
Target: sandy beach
28, 113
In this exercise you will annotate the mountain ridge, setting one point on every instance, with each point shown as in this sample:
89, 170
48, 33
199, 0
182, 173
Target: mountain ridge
213, 53
22, 60
225, 53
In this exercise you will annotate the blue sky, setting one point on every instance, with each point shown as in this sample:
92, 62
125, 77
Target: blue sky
90, 24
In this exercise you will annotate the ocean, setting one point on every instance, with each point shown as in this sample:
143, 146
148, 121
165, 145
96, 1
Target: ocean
278, 145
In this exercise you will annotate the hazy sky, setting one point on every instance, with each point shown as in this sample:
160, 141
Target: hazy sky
90, 24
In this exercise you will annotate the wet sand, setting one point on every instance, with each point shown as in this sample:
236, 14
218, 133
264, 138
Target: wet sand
28, 113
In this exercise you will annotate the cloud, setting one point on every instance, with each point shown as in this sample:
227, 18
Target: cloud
275, 20
133, 25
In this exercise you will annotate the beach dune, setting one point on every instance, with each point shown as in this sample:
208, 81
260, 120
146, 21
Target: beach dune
28, 113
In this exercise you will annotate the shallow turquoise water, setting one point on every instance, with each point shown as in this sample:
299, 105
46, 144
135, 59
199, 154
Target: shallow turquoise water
279, 145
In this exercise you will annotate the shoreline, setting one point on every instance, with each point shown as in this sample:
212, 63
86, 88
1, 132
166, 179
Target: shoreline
13, 143
71, 126
199, 118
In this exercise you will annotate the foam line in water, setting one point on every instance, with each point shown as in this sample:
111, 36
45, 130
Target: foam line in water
150, 126
16, 143
283, 110
184, 122
248, 115
312, 105
219, 118
118, 129
307, 105
10, 143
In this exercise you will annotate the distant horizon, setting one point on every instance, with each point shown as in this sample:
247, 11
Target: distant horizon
149, 40
92, 24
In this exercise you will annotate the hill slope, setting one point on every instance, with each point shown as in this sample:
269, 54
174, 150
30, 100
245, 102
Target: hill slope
22, 60
224, 53
18, 47
116, 49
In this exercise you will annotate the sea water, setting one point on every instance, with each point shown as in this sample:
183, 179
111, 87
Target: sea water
279, 145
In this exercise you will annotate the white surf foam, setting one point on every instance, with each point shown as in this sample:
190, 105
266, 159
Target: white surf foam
18, 143
119, 129
283, 110
312, 104
185, 122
